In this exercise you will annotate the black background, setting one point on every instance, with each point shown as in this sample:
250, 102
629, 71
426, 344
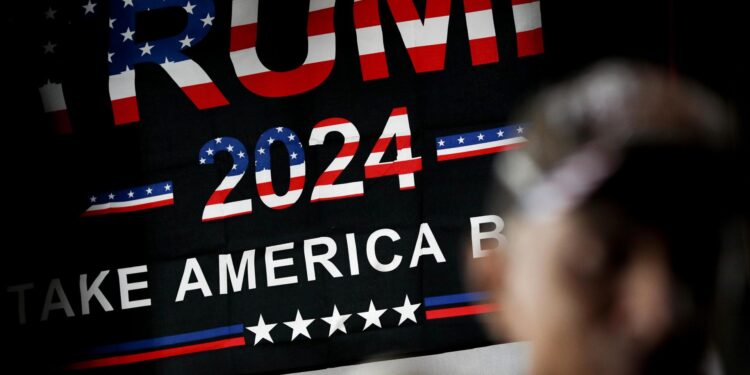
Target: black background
48, 177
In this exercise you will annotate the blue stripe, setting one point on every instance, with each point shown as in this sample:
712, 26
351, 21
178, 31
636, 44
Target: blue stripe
451, 299
169, 340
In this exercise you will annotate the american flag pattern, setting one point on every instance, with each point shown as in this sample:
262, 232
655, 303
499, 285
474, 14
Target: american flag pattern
326, 188
397, 128
124, 53
527, 18
296, 158
217, 208
128, 200
256, 77
482, 142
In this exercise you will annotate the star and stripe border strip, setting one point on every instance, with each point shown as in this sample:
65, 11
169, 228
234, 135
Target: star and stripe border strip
480, 142
230, 336
139, 198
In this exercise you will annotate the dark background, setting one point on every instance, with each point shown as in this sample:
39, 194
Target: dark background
48, 176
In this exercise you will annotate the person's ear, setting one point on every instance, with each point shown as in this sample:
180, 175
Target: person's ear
643, 304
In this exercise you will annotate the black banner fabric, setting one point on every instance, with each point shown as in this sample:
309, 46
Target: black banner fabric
260, 187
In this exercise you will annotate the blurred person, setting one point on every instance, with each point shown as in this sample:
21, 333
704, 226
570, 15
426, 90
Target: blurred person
615, 213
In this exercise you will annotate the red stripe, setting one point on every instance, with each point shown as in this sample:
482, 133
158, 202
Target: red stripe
476, 5
485, 151
331, 121
116, 210
320, 22
374, 66
205, 95
219, 196
61, 121
225, 216
393, 168
158, 354
402, 141
453, 312
404, 10
519, 2
398, 111
293, 82
366, 13
243, 37
530, 42
295, 183
348, 149
428, 58
484, 51
328, 177
337, 197
125, 110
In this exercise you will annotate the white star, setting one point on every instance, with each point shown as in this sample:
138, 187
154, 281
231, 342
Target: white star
130, 194
111, 196
208, 20
299, 326
336, 321
372, 316
166, 60
210, 151
480, 137
279, 129
519, 130
218, 140
441, 143
261, 151
230, 148
241, 154
49, 47
125, 3
185, 42
293, 155
89, 8
202, 160
127, 35
407, 311
146, 49
500, 133
234, 166
149, 191
291, 137
460, 139
262, 331
189, 7
92, 199
50, 14
112, 23
109, 56
167, 187
270, 140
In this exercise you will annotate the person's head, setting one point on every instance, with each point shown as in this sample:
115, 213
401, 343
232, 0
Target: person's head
615, 224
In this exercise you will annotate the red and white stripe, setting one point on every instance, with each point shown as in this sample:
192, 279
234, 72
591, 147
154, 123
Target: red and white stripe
217, 209
326, 188
481, 27
187, 74
424, 40
269, 196
480, 149
53, 102
405, 165
256, 77
129, 206
527, 17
